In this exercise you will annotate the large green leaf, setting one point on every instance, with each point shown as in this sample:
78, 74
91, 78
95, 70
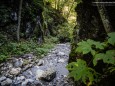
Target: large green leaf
111, 39
84, 47
108, 57
72, 66
99, 45
97, 58
80, 71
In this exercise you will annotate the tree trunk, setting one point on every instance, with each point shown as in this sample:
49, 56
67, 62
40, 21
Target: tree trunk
19, 20
104, 17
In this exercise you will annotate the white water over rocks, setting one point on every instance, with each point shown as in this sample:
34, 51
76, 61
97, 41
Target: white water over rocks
48, 71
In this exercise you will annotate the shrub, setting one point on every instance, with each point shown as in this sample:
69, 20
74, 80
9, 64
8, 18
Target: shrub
80, 70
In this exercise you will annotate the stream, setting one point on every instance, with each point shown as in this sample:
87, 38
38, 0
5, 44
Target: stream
48, 71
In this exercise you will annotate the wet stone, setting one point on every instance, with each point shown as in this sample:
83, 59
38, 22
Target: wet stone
27, 82
61, 53
29, 71
18, 80
6, 82
28, 56
2, 78
18, 62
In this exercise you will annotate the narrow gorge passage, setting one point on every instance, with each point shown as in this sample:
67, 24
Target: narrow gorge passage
48, 71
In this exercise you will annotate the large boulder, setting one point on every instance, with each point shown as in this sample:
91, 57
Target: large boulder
48, 75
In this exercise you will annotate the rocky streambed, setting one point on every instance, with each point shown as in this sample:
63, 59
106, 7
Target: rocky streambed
27, 70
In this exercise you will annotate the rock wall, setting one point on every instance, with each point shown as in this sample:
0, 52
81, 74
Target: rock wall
9, 17
37, 19
89, 24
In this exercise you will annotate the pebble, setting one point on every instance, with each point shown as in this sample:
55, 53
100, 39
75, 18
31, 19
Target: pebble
61, 60
20, 78
61, 53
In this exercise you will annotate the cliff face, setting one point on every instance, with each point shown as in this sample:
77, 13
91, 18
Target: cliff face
37, 19
9, 17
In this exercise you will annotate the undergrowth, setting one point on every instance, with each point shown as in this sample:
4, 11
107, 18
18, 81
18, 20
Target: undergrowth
98, 51
10, 49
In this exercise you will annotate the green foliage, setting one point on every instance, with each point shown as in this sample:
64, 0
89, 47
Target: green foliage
3, 57
78, 1
107, 57
111, 69
99, 51
3, 39
13, 48
111, 39
4, 14
65, 31
51, 40
39, 3
80, 71
87, 46
84, 47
